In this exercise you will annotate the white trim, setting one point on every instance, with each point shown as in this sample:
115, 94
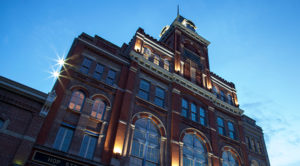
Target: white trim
150, 42
215, 80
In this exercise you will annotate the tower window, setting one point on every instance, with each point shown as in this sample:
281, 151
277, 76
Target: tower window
222, 96
193, 74
147, 53
215, 91
166, 64
230, 99
156, 59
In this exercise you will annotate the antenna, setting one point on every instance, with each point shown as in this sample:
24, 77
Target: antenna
177, 10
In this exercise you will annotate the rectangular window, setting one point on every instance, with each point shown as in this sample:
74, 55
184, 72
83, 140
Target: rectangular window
253, 145
63, 139
144, 90
111, 75
98, 72
184, 107
156, 60
88, 146
159, 97
221, 128
231, 130
193, 112
202, 116
85, 66
248, 142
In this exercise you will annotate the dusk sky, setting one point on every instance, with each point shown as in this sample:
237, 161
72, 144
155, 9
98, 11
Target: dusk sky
254, 44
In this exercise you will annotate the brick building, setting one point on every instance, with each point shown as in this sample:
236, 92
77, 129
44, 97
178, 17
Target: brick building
148, 102
20, 121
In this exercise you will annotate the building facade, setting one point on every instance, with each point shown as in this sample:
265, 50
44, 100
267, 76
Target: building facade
148, 102
20, 120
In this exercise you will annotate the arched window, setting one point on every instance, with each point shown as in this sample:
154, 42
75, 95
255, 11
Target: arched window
166, 64
215, 91
145, 148
156, 59
98, 109
194, 152
76, 101
229, 159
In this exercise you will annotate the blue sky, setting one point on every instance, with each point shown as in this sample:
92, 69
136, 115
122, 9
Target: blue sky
254, 43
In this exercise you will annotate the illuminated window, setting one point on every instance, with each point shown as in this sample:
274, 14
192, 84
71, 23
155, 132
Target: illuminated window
229, 159
98, 109
193, 74
222, 96
147, 53
145, 148
156, 59
88, 146
202, 116
221, 128
215, 91
181, 68
194, 152
76, 101
231, 130
166, 64
230, 99
111, 75
98, 72
144, 90
193, 112
184, 108
85, 66
63, 139
159, 96
254, 163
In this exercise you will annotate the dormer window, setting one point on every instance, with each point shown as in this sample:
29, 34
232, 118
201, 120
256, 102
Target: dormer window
147, 53
166, 64
156, 59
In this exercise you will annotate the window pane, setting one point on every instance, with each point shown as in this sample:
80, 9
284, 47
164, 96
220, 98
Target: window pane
145, 85
159, 92
84, 146
98, 72
144, 89
193, 112
220, 121
110, 79
59, 138
85, 65
159, 102
76, 101
91, 147
67, 140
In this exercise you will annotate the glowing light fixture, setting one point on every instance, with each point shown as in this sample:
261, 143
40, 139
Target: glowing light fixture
55, 74
60, 61
117, 150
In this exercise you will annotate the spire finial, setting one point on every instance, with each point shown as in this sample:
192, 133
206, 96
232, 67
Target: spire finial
177, 10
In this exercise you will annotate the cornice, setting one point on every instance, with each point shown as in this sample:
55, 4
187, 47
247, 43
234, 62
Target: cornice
173, 77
